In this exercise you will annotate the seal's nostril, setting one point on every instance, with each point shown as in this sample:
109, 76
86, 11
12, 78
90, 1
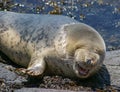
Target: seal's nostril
88, 61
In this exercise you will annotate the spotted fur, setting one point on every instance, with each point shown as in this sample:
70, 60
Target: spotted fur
47, 43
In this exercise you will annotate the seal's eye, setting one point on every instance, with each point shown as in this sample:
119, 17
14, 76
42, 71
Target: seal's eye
88, 61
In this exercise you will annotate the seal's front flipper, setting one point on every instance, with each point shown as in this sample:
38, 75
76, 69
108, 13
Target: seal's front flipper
37, 64
21, 71
36, 67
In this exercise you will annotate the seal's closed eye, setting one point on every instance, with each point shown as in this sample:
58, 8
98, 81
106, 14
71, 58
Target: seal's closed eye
88, 61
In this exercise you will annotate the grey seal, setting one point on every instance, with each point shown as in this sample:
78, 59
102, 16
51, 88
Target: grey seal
51, 44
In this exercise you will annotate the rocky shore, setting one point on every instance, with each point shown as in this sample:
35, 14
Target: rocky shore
107, 79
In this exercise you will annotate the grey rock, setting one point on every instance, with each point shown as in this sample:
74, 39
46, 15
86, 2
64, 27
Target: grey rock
41, 90
112, 62
9, 76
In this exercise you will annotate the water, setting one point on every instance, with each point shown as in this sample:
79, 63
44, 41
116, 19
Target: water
103, 15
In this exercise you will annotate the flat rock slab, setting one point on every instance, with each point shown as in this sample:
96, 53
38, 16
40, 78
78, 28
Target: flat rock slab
108, 75
40, 90
112, 63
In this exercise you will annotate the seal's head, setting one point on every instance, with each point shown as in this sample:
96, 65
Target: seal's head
86, 63
84, 46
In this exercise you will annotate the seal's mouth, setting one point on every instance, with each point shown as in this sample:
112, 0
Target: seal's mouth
82, 71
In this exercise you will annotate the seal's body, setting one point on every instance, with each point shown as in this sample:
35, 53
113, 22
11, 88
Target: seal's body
51, 44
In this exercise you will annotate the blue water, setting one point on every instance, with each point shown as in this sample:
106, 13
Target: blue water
103, 16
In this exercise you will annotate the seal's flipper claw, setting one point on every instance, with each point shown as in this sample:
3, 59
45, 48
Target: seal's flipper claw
34, 72
21, 70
